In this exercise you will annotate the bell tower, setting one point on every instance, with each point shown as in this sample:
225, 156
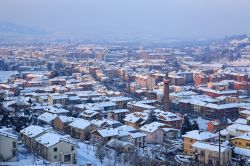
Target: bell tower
165, 99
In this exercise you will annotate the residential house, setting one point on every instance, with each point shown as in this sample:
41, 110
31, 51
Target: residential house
57, 99
170, 119
46, 118
62, 122
206, 153
56, 148
118, 144
138, 139
30, 133
90, 115
193, 136
8, 144
121, 101
118, 114
55, 110
80, 129
242, 141
139, 107
154, 132
104, 135
136, 119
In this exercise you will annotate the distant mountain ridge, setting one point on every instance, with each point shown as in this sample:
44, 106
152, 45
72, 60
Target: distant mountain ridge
8, 28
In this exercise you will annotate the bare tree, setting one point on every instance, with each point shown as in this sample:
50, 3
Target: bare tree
100, 152
118, 147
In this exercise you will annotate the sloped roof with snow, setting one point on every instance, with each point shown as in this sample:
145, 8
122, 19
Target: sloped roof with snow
119, 131
120, 98
33, 130
66, 119
47, 117
245, 136
55, 110
8, 133
242, 151
198, 135
80, 123
136, 116
152, 127
209, 147
115, 142
137, 135
51, 138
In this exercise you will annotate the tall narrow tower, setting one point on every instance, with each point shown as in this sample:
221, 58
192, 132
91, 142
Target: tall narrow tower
165, 100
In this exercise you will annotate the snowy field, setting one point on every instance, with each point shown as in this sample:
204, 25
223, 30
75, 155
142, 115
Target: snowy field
86, 154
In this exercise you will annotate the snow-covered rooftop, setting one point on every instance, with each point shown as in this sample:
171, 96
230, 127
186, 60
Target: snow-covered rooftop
80, 123
152, 127
51, 138
209, 147
8, 133
198, 135
33, 131
47, 117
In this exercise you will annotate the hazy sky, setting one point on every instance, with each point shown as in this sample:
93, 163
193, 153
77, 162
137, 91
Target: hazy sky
166, 18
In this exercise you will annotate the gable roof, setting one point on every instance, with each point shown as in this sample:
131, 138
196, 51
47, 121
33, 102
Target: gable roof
33, 130
198, 135
152, 127
51, 138
80, 123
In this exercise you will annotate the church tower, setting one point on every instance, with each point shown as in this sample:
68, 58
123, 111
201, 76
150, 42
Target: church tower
165, 99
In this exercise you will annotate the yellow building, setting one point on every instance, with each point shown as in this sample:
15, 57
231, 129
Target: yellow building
242, 141
192, 136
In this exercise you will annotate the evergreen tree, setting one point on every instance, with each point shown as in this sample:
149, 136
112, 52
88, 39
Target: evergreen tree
186, 125
195, 125
151, 117
30, 101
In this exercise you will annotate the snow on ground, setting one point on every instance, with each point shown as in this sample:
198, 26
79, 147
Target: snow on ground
86, 154
24, 158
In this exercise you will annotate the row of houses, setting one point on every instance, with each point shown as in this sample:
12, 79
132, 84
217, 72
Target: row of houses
105, 130
48, 144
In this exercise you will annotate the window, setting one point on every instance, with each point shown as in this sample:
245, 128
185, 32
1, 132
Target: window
239, 143
67, 158
55, 157
55, 149
191, 140
72, 148
13, 152
248, 145
236, 142
14, 144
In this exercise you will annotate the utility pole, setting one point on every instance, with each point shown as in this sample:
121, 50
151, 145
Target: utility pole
219, 140
219, 147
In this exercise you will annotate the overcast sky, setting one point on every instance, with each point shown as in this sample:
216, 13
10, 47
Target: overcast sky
166, 18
